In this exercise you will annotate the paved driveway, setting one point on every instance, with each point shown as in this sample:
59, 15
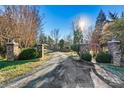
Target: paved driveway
60, 72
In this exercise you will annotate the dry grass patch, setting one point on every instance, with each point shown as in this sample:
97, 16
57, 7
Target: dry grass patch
71, 53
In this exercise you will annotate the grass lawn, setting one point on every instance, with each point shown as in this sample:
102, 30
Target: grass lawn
117, 70
71, 53
12, 69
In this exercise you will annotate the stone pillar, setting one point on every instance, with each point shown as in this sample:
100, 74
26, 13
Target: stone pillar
115, 51
12, 50
84, 48
40, 48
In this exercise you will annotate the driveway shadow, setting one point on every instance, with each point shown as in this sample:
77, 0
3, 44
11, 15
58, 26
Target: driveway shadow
66, 74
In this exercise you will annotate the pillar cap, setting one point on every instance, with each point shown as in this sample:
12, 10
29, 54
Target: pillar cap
12, 43
113, 41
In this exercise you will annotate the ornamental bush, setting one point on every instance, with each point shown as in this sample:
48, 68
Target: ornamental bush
29, 53
86, 56
103, 57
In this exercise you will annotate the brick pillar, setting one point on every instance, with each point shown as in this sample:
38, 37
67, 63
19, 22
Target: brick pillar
12, 51
115, 51
40, 48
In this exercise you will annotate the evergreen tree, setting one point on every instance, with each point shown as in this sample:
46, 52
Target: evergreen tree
61, 44
122, 15
77, 32
100, 20
113, 16
77, 36
50, 42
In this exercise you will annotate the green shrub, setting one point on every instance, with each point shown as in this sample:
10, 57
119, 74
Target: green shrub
86, 56
3, 51
28, 54
103, 57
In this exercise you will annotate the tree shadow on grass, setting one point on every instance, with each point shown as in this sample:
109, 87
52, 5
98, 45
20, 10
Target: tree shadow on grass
5, 63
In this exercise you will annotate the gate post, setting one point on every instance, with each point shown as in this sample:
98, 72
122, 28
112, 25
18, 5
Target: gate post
40, 48
115, 51
12, 50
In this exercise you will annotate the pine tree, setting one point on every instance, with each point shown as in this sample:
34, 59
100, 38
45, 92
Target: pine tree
77, 36
100, 20
61, 44
113, 16
122, 15
77, 32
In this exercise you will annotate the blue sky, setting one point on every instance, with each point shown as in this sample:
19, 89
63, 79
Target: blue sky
61, 16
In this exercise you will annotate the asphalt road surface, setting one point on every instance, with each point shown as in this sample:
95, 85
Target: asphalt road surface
60, 72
